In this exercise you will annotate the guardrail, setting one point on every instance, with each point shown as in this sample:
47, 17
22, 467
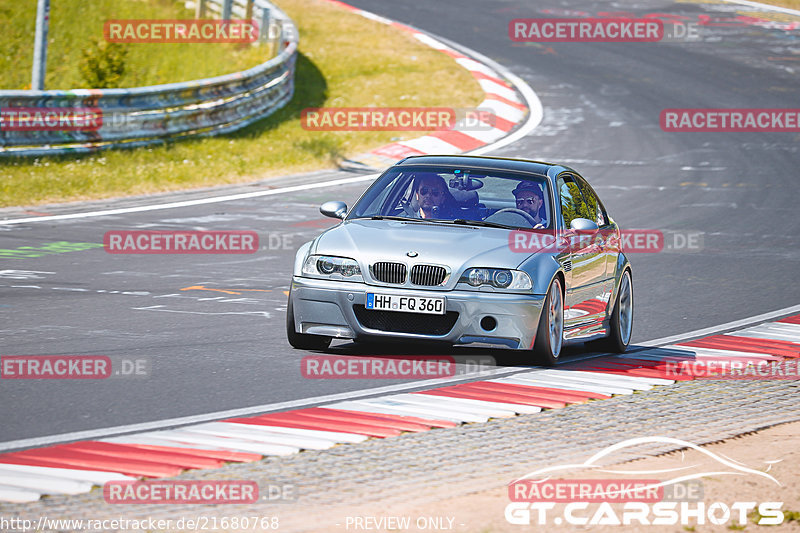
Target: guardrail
146, 115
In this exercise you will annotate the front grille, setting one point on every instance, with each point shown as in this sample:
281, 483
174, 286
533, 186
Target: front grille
429, 275
389, 272
395, 322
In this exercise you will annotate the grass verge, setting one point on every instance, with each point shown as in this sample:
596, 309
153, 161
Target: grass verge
76, 24
345, 61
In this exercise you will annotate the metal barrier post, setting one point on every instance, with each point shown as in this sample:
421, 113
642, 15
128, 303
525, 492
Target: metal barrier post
263, 30
40, 45
200, 9
249, 11
227, 7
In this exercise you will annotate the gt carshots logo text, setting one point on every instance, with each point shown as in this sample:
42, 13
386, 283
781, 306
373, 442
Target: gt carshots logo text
542, 499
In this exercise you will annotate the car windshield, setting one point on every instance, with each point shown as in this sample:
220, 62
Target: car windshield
458, 195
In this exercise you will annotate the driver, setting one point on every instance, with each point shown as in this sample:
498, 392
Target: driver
530, 198
431, 198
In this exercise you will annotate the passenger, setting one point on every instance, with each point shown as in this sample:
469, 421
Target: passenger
530, 199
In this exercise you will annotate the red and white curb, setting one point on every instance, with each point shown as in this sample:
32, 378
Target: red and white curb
503, 108
77, 467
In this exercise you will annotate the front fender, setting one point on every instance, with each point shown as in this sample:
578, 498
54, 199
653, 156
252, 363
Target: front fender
300, 257
542, 268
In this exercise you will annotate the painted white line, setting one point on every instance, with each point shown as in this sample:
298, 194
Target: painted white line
722, 327
769, 336
245, 411
765, 7
188, 203
784, 330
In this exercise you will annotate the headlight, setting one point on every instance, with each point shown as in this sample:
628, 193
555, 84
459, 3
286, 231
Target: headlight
499, 278
333, 267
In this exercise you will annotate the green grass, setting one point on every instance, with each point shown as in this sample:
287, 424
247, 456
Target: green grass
74, 24
370, 64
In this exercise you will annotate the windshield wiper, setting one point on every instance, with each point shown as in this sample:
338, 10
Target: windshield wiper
389, 217
482, 223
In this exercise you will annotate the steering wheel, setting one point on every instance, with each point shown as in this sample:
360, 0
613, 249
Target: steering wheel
523, 214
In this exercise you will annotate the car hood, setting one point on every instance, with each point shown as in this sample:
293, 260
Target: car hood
455, 246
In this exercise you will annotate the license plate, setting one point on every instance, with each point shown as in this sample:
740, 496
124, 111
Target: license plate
406, 304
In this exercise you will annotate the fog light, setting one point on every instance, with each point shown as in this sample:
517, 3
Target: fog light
488, 323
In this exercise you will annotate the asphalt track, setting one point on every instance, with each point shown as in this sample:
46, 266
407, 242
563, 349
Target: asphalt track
210, 351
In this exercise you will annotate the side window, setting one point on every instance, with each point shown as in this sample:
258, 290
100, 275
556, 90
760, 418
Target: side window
573, 204
593, 204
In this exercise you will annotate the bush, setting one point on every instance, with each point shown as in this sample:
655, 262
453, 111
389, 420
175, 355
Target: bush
103, 64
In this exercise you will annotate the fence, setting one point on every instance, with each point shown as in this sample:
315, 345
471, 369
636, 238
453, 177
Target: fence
146, 115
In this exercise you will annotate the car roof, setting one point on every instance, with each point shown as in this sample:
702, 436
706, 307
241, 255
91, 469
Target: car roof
489, 163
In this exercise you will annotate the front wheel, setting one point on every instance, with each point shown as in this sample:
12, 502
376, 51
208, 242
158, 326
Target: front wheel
550, 333
303, 341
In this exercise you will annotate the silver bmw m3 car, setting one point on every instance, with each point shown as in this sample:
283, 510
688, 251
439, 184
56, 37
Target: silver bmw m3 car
468, 251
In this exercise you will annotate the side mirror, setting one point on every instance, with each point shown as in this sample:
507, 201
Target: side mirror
584, 224
334, 209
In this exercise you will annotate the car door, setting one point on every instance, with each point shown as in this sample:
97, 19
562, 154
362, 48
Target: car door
605, 240
586, 274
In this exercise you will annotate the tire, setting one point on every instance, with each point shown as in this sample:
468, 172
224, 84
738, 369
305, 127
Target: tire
621, 323
550, 333
303, 341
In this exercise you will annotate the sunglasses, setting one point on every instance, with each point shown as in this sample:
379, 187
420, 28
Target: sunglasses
528, 200
425, 191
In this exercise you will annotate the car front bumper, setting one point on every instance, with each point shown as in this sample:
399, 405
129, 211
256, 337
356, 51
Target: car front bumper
333, 308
